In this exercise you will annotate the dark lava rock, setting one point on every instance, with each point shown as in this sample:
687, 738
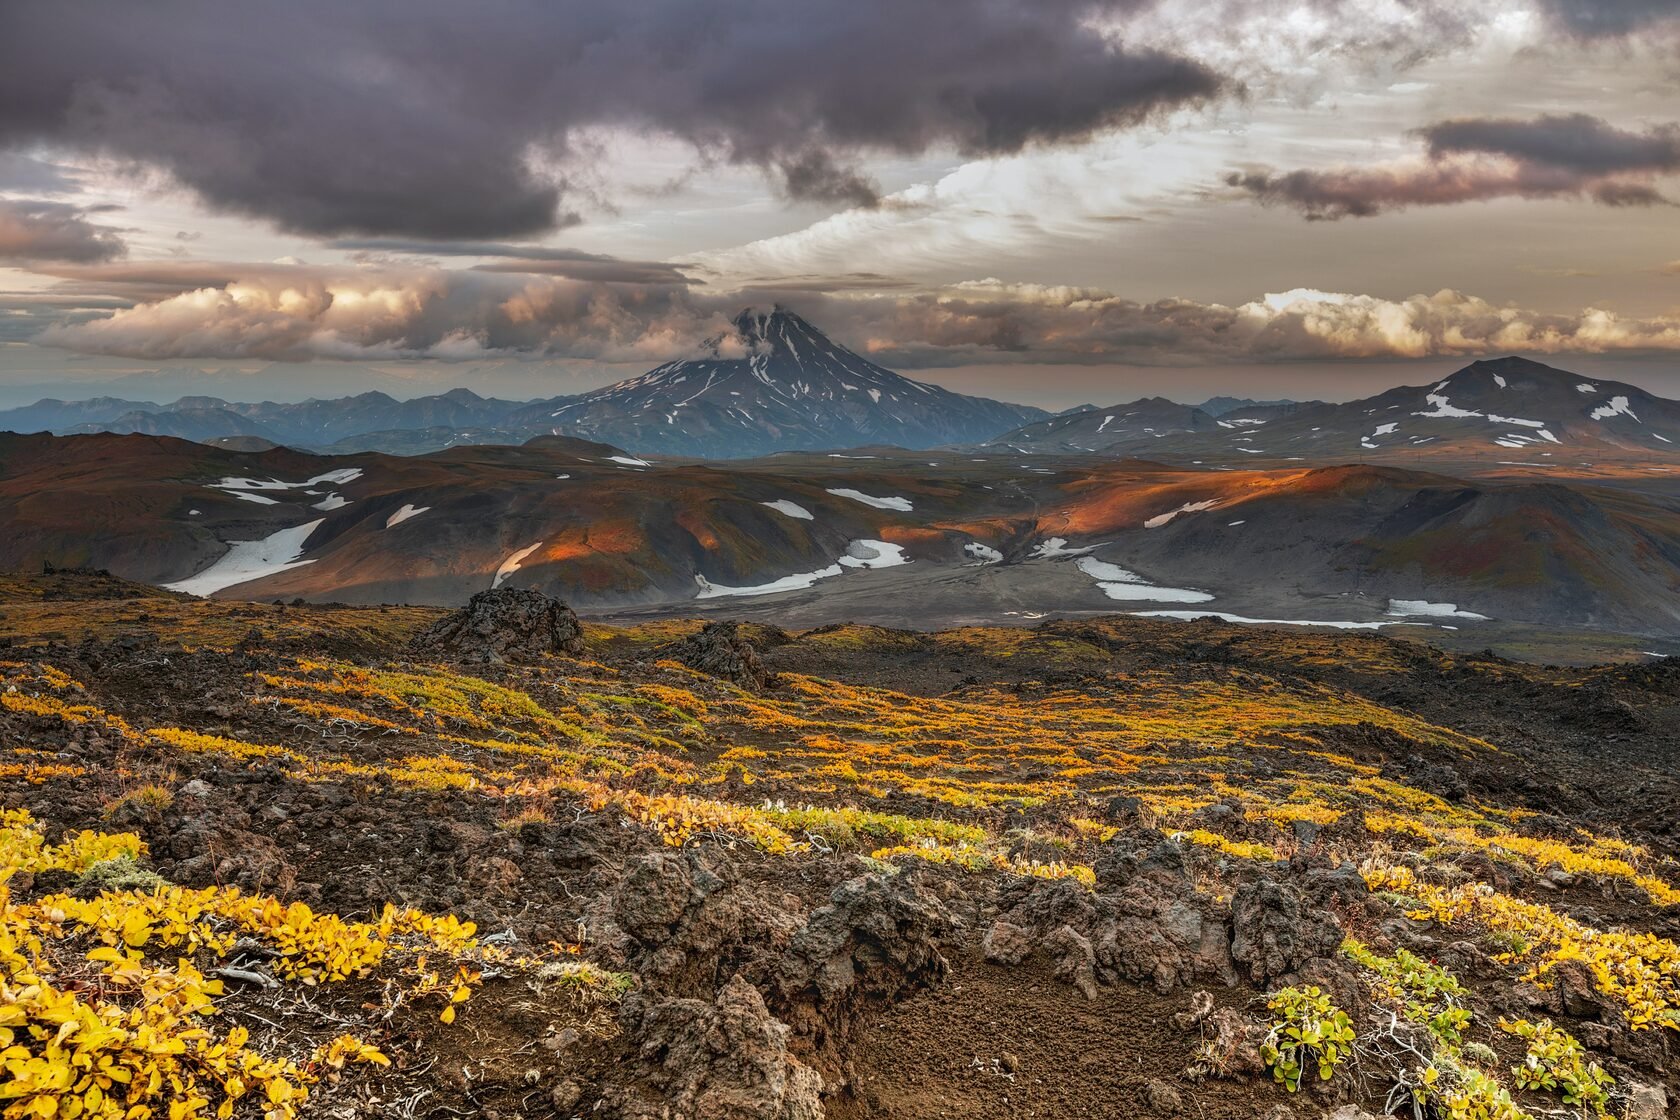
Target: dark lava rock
505, 624
719, 650
724, 1059
1274, 929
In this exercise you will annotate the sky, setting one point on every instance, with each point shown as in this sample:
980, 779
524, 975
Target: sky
1047, 201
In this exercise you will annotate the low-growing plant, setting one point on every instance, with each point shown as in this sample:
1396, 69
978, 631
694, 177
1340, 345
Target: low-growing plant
119, 873
1308, 1033
1556, 1062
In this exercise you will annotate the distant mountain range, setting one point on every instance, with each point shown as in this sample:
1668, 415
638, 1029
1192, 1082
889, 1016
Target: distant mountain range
314, 424
1134, 425
774, 383
1503, 409
1219, 406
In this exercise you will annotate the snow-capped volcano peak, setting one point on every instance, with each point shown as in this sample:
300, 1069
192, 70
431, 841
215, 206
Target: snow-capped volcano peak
778, 331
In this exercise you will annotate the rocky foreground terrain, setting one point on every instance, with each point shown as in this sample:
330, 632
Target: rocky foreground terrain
296, 860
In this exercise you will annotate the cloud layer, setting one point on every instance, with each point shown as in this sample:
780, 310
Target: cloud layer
33, 230
294, 313
414, 118
1481, 158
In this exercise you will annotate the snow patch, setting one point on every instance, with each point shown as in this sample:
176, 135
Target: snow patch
1441, 409
867, 553
1409, 608
248, 560
1386, 429
1585, 387
790, 509
799, 581
1118, 583
628, 461
511, 564
1187, 616
1161, 519
339, 477
407, 511
331, 502
1052, 547
1498, 380
902, 505
1617, 406
259, 499
985, 553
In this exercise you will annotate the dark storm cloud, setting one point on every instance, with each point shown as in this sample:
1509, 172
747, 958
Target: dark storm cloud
432, 119
1605, 19
1571, 142
1479, 158
813, 176
33, 230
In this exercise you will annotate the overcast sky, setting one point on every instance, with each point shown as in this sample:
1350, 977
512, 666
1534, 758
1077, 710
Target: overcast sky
1041, 200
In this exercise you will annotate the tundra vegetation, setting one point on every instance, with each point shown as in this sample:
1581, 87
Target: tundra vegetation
304, 873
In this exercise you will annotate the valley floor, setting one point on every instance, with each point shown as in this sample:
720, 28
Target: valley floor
272, 860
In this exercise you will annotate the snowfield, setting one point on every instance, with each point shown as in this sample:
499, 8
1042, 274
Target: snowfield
902, 505
248, 560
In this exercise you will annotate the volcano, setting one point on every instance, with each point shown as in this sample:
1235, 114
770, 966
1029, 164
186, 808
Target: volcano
776, 383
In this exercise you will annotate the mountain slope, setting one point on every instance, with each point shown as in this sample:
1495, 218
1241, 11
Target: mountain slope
1498, 409
966, 538
776, 384
1129, 427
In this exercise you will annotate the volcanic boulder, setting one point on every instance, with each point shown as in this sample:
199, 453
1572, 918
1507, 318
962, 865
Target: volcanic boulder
1274, 930
877, 936
719, 650
725, 1059
503, 624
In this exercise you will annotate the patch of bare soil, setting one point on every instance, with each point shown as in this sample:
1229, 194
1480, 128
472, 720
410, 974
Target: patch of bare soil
997, 1043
